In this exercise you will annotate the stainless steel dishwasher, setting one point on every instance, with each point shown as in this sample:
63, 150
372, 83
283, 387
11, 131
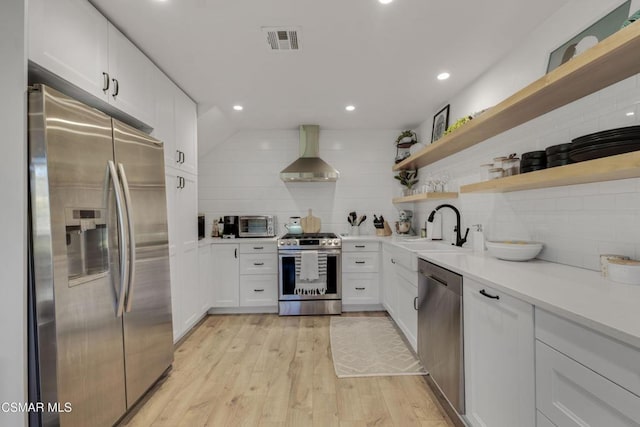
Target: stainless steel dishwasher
440, 334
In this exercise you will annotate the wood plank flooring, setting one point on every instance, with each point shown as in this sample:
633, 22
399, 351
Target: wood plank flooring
266, 370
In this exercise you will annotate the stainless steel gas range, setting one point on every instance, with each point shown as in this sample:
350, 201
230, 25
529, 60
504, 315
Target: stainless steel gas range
320, 292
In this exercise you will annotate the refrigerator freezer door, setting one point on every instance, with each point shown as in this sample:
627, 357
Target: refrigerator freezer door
74, 232
148, 335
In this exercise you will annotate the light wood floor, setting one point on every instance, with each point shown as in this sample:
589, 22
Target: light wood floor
266, 370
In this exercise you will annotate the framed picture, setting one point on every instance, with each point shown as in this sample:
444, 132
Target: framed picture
597, 32
440, 124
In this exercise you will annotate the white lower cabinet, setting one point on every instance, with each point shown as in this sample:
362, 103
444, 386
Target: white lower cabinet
258, 290
570, 394
388, 280
226, 267
406, 314
186, 295
499, 358
584, 378
360, 273
205, 277
245, 275
360, 288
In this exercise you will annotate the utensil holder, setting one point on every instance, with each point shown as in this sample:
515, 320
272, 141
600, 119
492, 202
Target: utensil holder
383, 232
355, 230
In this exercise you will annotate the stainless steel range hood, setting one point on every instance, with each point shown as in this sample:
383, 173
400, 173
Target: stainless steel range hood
309, 167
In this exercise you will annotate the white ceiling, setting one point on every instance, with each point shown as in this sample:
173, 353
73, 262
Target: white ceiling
382, 58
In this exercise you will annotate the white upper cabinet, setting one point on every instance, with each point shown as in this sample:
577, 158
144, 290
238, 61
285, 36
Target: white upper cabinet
130, 71
70, 39
165, 129
186, 118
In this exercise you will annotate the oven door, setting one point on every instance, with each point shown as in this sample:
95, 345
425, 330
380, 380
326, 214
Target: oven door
287, 276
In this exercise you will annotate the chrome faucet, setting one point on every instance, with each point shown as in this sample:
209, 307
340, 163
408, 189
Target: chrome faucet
459, 239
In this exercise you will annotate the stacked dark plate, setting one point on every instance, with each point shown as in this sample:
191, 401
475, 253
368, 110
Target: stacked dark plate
558, 155
533, 161
605, 143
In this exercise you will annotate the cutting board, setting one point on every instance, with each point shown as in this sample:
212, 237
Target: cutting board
310, 223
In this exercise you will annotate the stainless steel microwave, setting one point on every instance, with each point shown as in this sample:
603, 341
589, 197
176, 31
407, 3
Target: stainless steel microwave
257, 226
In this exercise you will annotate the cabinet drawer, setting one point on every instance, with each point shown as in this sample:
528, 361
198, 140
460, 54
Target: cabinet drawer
258, 264
609, 357
360, 288
360, 246
364, 262
570, 394
256, 291
258, 248
403, 257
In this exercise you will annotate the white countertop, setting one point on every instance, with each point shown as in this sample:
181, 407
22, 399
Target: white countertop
220, 241
581, 295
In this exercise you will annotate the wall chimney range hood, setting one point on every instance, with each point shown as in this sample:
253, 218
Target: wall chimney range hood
309, 167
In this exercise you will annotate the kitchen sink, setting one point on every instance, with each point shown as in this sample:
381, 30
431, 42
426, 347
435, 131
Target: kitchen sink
428, 246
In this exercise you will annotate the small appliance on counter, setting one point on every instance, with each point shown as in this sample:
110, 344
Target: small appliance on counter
294, 226
256, 226
200, 226
403, 224
230, 230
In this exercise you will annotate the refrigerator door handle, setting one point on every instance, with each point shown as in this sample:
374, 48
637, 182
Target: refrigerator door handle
132, 239
124, 270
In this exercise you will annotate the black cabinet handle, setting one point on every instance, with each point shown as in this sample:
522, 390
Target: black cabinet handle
178, 157
258, 290
181, 157
415, 303
483, 292
393, 261
258, 248
258, 263
105, 82
179, 181
360, 262
360, 246
360, 289
116, 88
235, 252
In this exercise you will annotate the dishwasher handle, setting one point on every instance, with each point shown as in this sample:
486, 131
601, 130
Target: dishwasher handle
435, 279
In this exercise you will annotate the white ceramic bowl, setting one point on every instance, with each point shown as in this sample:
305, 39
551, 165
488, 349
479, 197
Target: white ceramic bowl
514, 250
624, 271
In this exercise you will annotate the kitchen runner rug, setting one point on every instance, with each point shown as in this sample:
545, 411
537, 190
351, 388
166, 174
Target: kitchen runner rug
369, 347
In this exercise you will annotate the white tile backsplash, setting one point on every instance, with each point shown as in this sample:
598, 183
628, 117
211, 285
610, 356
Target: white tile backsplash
241, 176
576, 223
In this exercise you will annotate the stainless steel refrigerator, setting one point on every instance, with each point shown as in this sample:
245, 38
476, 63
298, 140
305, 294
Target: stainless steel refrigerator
101, 331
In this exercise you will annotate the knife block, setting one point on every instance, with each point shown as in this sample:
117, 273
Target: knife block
386, 231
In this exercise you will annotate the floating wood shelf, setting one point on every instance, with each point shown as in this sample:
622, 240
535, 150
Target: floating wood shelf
611, 168
425, 196
608, 62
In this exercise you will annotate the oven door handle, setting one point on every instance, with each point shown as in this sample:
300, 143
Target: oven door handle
297, 252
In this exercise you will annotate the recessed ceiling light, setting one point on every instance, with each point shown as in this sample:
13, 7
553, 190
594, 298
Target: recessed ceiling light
350, 107
443, 76
631, 113
385, 1
238, 107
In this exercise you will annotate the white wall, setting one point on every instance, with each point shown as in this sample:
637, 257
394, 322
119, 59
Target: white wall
13, 192
576, 223
241, 176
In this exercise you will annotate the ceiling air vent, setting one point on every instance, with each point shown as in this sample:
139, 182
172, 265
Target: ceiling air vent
282, 38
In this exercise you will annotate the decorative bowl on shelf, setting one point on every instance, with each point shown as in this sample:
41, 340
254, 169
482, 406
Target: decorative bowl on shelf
514, 250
